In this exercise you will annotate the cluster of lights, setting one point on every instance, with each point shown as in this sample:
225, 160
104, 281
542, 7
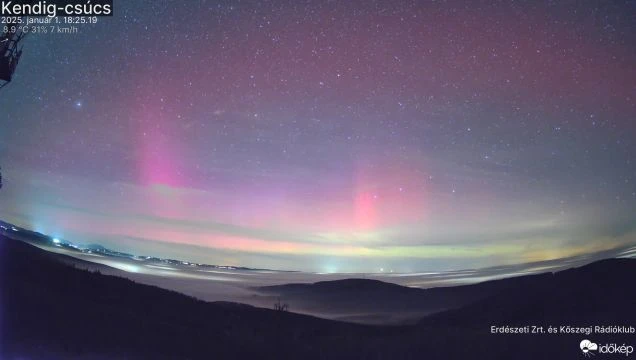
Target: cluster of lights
13, 228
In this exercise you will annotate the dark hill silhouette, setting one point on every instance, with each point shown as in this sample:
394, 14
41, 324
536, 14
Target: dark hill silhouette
590, 294
51, 310
381, 302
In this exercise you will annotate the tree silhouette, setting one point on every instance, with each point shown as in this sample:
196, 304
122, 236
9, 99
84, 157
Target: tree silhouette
281, 307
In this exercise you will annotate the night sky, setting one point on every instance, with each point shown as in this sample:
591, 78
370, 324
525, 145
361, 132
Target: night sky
330, 136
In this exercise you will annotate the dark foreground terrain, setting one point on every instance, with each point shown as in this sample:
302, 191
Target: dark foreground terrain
51, 310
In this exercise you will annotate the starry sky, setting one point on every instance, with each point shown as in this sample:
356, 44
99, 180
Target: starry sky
336, 136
